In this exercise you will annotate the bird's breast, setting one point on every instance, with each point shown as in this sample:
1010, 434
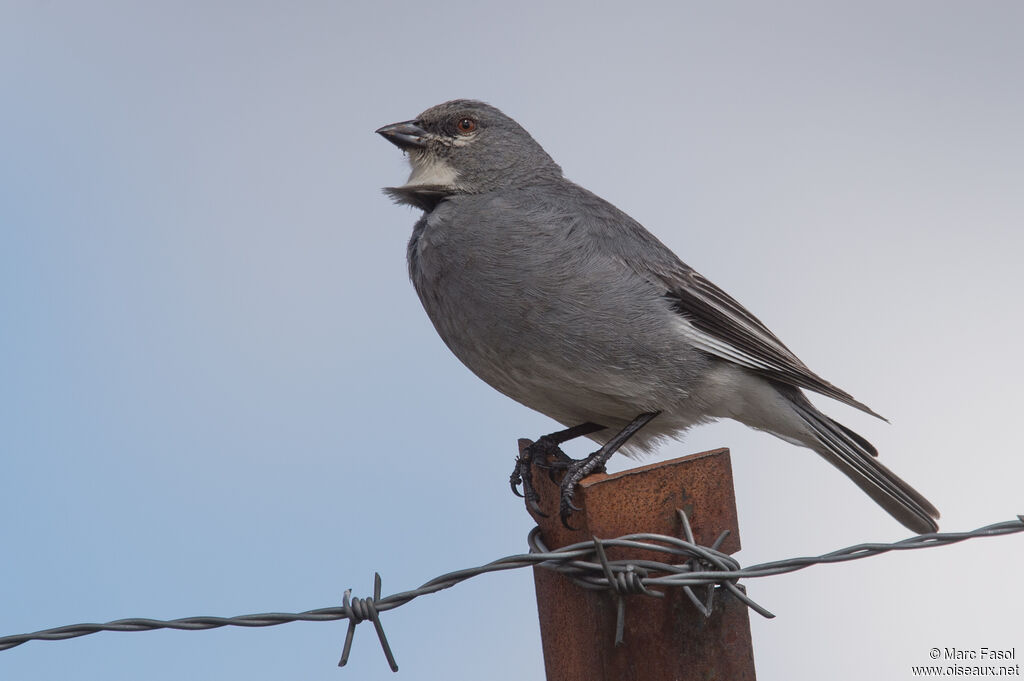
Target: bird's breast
546, 319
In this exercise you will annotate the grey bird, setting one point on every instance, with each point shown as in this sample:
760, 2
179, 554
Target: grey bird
566, 304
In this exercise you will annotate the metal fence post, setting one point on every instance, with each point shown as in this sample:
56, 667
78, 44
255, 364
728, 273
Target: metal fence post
666, 639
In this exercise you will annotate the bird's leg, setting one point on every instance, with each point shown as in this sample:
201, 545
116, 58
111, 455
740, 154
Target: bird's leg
545, 446
577, 470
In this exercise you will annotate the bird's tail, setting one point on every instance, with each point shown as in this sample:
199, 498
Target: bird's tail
855, 456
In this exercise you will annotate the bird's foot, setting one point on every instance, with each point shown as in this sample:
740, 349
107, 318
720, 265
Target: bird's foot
575, 471
539, 453
545, 453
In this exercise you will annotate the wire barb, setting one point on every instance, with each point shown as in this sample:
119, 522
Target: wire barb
359, 610
687, 565
621, 584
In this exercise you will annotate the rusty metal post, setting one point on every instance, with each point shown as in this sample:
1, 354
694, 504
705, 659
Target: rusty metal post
666, 639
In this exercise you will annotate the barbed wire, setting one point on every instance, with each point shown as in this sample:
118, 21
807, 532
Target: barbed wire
692, 567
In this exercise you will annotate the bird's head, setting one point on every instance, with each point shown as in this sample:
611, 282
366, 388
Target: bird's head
465, 147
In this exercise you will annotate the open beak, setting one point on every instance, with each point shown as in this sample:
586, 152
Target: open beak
404, 135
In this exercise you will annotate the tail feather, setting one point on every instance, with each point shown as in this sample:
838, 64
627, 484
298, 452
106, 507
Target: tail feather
864, 444
855, 457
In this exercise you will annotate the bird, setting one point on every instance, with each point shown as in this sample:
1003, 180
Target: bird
566, 304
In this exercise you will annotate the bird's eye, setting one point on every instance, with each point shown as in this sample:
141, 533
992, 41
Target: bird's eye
465, 125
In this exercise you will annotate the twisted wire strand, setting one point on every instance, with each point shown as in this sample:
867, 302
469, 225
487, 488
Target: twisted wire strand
688, 566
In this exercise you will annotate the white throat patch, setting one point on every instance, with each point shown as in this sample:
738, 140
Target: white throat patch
428, 170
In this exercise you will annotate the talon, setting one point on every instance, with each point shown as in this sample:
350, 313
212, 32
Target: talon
565, 521
515, 480
522, 474
535, 507
566, 507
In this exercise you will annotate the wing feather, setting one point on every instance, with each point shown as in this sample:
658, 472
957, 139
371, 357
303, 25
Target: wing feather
714, 321
725, 328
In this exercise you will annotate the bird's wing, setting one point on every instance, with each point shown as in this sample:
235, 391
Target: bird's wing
724, 328
716, 323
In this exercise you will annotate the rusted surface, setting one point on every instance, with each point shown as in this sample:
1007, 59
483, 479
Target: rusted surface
666, 639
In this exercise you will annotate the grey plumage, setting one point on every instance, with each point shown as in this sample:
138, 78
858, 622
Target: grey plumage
566, 304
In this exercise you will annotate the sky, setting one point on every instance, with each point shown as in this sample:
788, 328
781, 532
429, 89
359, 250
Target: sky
219, 394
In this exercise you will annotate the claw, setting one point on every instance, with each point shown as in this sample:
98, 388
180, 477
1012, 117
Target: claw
522, 474
532, 504
564, 516
516, 479
566, 507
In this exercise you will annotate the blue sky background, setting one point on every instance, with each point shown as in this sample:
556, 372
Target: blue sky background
219, 394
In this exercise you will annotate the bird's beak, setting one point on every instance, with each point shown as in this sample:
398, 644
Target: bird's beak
404, 135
